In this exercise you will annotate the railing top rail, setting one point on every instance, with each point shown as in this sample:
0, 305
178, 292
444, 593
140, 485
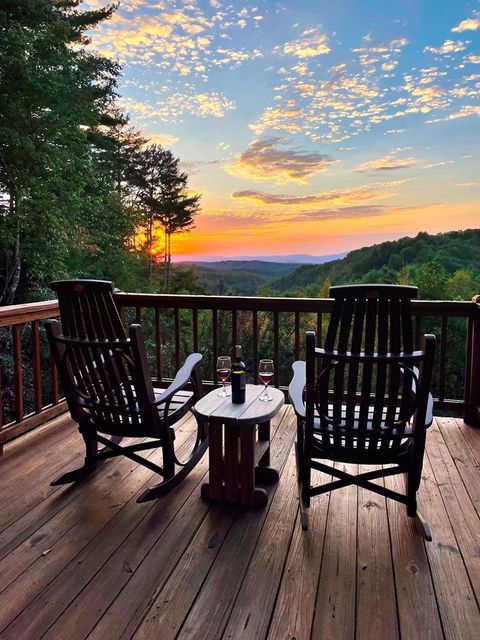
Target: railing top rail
245, 303
20, 313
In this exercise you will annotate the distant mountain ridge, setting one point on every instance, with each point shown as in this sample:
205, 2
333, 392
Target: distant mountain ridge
294, 258
451, 251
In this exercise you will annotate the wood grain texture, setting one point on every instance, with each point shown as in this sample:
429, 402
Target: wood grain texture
376, 601
335, 605
92, 563
418, 613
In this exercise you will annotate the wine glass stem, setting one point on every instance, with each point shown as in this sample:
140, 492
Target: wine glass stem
265, 391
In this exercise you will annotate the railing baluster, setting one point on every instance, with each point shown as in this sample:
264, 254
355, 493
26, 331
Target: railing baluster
1, 413
195, 329
418, 330
275, 349
297, 335
441, 364
53, 382
17, 372
138, 315
472, 375
37, 371
319, 327
214, 344
255, 346
234, 328
177, 339
158, 344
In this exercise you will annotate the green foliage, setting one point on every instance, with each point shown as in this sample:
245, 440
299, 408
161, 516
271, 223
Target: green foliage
427, 261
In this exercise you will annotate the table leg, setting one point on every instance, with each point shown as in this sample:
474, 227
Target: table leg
264, 436
247, 471
263, 472
213, 489
250, 496
231, 464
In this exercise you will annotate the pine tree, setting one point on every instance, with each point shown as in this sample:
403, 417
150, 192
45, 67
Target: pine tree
54, 96
162, 192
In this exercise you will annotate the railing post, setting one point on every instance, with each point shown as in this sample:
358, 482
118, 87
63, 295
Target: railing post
472, 392
1, 412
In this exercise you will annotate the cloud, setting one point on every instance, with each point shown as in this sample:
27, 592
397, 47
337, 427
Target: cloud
387, 163
443, 163
368, 211
163, 139
468, 184
336, 198
273, 159
472, 58
310, 44
470, 24
463, 112
449, 46
171, 108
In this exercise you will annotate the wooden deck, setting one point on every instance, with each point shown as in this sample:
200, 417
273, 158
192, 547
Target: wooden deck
89, 562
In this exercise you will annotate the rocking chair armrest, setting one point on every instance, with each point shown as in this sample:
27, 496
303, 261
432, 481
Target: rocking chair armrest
181, 379
297, 386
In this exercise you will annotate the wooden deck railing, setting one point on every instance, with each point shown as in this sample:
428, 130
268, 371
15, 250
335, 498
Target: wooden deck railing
21, 337
176, 324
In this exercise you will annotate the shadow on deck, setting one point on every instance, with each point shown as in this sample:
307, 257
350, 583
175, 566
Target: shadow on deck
88, 561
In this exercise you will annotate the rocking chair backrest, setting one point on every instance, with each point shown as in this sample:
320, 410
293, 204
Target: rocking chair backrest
88, 310
106, 382
104, 374
368, 381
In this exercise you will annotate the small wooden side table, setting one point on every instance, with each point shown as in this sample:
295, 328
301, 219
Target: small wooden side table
237, 458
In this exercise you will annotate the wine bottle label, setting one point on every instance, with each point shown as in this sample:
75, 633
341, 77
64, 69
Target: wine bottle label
243, 380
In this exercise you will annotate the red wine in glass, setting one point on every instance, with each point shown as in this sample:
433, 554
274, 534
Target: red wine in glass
265, 373
224, 366
223, 374
266, 376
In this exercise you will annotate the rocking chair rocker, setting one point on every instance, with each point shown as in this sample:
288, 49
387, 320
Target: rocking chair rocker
109, 389
365, 397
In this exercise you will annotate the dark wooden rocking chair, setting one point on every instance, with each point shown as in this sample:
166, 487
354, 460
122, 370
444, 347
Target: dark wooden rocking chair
364, 398
109, 389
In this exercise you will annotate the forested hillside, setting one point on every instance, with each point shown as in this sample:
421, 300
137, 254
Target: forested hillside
443, 266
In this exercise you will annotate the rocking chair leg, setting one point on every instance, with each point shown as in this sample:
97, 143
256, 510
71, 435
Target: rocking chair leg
77, 475
423, 527
303, 516
172, 479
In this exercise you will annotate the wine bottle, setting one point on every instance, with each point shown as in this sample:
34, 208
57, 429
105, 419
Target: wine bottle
238, 377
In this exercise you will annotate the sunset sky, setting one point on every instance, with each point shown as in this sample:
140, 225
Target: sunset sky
309, 127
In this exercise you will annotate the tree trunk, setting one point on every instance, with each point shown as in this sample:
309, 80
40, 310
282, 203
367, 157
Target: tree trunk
150, 247
13, 279
165, 259
169, 256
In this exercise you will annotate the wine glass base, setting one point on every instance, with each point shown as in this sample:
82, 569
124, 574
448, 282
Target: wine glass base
265, 398
223, 394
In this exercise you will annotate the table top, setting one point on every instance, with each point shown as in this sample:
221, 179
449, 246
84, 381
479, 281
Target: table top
252, 411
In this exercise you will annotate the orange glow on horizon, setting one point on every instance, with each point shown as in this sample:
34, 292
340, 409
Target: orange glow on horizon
252, 236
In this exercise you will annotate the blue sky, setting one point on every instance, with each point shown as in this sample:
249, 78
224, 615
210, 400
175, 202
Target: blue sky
308, 127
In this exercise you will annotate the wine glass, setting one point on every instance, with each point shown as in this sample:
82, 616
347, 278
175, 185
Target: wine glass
224, 367
265, 372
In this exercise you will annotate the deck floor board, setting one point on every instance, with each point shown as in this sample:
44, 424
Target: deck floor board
89, 562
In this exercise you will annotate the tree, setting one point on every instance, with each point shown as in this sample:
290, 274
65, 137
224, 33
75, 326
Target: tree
162, 193
54, 94
461, 286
